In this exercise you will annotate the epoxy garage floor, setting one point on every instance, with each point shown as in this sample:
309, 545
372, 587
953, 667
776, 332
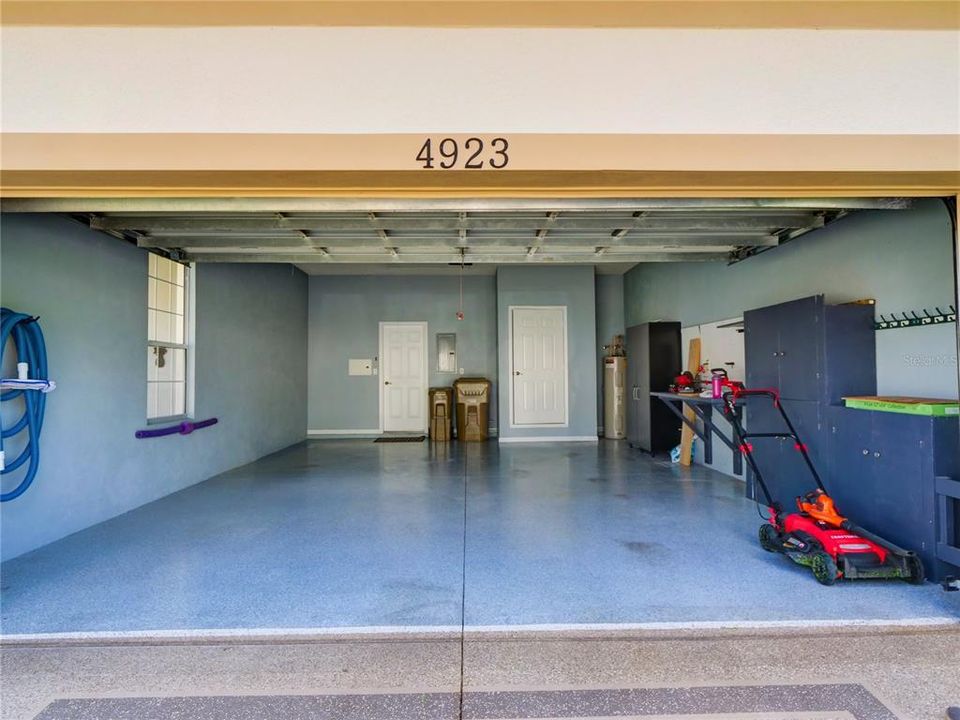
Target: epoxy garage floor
355, 535
358, 581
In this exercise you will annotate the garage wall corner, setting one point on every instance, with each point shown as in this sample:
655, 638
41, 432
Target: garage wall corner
90, 292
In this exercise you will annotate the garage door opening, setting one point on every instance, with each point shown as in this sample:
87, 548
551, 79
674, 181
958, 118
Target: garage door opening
323, 319
319, 325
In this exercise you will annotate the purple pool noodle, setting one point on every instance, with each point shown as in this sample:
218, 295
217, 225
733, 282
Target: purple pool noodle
184, 428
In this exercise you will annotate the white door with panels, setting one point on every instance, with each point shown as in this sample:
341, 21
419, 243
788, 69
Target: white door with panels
403, 376
538, 373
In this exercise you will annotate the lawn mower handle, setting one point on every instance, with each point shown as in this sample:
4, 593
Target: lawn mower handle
741, 437
741, 392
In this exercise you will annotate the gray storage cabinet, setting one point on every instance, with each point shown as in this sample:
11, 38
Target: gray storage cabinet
893, 474
812, 351
653, 361
896, 475
813, 354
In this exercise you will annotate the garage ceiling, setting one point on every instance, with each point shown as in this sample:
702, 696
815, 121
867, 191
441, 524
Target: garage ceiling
620, 232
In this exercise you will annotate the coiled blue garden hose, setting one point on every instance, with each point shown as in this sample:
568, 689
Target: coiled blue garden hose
31, 349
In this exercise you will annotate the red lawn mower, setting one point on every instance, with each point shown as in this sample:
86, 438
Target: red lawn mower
817, 535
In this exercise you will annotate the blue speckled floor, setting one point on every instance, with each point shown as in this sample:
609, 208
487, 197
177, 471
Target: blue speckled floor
351, 533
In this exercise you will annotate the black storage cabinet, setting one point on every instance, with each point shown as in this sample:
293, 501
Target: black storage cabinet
653, 361
892, 474
813, 354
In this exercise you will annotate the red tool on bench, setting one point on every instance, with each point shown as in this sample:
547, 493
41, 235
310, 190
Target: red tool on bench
817, 536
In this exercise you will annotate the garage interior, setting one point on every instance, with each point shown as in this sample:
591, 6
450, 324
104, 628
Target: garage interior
352, 326
286, 517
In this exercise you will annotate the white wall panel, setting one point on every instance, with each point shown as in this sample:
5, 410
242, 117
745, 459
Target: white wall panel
378, 80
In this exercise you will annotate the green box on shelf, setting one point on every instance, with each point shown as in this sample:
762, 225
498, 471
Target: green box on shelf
930, 407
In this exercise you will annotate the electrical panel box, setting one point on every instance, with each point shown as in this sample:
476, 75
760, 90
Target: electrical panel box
363, 366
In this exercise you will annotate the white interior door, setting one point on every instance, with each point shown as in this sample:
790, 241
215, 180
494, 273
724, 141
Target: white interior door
403, 374
538, 339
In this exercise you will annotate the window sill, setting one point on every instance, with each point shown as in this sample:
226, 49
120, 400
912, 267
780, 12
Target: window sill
168, 420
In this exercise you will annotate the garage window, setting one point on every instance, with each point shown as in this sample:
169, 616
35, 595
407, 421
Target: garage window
168, 339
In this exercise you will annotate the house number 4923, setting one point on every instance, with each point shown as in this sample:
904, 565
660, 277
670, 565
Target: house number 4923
447, 153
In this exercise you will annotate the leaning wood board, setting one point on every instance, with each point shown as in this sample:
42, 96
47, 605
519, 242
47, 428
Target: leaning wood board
686, 437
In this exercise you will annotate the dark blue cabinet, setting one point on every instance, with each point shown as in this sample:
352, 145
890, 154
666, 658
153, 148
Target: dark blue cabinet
809, 350
884, 473
812, 353
800, 346
896, 475
782, 465
761, 341
807, 418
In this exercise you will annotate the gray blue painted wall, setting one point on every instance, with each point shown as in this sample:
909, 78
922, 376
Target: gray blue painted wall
90, 292
903, 259
574, 287
345, 312
610, 322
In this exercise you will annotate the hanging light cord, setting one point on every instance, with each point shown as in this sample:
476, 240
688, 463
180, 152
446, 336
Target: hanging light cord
460, 314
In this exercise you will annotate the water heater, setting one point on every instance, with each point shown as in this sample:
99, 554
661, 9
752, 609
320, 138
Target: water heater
614, 397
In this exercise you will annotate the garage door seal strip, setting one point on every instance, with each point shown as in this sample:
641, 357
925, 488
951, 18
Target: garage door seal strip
455, 632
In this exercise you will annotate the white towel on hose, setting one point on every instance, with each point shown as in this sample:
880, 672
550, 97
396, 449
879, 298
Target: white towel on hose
43, 386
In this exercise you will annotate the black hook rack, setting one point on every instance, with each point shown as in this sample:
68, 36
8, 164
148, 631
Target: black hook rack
914, 320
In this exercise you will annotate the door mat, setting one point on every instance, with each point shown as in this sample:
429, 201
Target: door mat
401, 439
770, 702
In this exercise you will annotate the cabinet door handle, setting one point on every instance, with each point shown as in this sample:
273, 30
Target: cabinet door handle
866, 452
876, 454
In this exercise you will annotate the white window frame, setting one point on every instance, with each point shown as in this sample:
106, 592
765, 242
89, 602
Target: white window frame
189, 336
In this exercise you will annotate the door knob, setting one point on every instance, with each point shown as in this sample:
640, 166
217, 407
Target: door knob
386, 382
517, 372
